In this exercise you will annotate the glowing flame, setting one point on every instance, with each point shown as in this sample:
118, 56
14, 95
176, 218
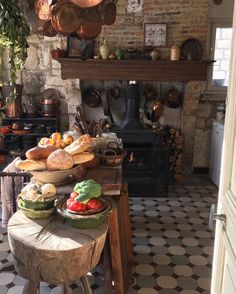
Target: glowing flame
131, 158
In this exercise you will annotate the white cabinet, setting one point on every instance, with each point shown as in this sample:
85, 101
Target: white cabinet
216, 151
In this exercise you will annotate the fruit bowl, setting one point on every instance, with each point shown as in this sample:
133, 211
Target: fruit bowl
36, 214
37, 205
59, 177
90, 211
89, 221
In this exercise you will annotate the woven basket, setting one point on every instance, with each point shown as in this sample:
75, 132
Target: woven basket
110, 156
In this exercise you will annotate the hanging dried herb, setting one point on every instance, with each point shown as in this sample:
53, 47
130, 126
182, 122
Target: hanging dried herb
13, 35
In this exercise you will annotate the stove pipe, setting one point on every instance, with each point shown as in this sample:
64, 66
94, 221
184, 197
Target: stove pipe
132, 101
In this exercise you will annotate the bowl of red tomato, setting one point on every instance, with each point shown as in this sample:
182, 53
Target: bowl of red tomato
88, 218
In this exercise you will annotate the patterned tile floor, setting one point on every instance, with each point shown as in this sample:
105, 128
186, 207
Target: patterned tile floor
172, 246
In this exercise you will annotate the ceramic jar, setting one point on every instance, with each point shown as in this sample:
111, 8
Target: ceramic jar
155, 54
104, 49
119, 53
175, 53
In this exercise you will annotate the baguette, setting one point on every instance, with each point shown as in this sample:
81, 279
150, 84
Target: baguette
40, 152
83, 157
30, 164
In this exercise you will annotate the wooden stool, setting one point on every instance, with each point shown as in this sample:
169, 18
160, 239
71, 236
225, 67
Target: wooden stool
52, 251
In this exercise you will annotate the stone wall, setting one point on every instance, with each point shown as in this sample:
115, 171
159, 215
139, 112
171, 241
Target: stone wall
185, 19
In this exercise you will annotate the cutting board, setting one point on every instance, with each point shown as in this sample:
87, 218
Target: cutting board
109, 178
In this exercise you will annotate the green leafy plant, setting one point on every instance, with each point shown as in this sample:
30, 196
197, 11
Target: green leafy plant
13, 35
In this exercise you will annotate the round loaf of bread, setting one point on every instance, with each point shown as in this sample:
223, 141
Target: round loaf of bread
83, 157
59, 160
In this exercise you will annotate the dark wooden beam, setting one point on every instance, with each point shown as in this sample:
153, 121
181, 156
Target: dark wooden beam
144, 70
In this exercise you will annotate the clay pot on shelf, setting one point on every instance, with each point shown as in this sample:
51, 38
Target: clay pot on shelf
58, 53
104, 49
119, 53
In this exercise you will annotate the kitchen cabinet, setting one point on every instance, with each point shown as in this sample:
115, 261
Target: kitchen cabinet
216, 151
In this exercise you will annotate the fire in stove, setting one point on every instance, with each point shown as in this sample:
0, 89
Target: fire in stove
132, 161
131, 157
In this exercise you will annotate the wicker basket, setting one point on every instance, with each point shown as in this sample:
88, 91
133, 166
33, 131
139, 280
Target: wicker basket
111, 156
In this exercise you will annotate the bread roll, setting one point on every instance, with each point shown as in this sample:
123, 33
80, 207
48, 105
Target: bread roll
59, 160
30, 164
40, 152
83, 157
76, 148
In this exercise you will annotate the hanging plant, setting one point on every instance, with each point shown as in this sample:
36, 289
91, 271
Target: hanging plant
13, 35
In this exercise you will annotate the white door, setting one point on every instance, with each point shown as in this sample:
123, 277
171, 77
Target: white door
224, 261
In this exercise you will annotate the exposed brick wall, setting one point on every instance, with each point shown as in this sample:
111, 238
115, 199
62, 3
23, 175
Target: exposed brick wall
184, 18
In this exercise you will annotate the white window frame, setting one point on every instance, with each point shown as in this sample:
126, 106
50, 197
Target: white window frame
212, 25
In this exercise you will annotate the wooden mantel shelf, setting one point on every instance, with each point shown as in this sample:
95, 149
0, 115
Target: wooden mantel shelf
143, 70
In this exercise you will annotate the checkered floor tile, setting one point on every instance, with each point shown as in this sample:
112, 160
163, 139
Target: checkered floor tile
172, 246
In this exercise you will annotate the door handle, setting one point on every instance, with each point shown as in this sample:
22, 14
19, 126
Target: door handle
214, 216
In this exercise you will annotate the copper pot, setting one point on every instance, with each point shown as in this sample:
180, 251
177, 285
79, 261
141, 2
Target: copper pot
91, 25
86, 3
13, 109
49, 107
66, 17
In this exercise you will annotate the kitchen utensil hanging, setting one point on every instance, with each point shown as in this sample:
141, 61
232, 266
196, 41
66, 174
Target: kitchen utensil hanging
43, 9
91, 25
92, 97
44, 28
173, 98
66, 17
86, 3
108, 12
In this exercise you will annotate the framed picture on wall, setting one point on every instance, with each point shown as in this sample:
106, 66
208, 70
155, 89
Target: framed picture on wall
83, 49
155, 34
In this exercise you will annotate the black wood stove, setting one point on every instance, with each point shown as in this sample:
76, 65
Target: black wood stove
146, 166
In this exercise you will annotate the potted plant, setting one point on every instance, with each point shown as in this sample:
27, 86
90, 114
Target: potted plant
13, 35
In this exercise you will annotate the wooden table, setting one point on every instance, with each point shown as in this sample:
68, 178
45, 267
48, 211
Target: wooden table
120, 244
118, 248
52, 251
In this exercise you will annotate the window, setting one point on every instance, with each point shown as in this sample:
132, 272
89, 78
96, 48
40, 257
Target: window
220, 50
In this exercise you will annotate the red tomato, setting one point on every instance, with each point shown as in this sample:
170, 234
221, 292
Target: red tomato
73, 195
75, 206
94, 204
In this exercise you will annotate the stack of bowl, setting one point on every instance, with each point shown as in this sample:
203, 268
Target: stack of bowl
37, 200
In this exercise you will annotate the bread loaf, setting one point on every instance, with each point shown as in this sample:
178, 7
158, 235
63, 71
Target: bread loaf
83, 157
59, 160
30, 164
76, 147
40, 152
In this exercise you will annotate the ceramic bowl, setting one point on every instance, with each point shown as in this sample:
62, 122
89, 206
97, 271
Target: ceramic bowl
37, 214
90, 221
59, 177
37, 205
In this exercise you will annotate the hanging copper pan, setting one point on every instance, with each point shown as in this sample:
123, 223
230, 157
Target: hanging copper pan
44, 28
108, 11
43, 9
66, 17
86, 3
91, 25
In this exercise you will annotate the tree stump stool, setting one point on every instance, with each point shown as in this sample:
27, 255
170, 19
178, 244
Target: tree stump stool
52, 251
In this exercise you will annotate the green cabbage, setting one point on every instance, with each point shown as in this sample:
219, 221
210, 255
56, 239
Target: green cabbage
87, 189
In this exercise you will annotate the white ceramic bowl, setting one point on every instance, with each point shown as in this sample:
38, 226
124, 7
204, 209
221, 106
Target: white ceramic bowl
59, 177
